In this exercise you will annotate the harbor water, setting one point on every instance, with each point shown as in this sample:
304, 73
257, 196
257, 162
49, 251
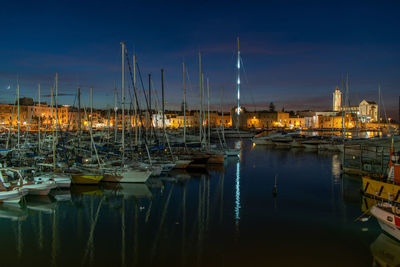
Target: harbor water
225, 216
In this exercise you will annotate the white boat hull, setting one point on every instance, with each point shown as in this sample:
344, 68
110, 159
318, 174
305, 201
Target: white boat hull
182, 163
41, 189
12, 196
128, 175
389, 222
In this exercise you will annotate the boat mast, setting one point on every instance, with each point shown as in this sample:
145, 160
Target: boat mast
379, 110
238, 82
184, 103
201, 100
134, 102
341, 108
148, 124
163, 101
91, 118
203, 111
18, 122
208, 111
56, 102
79, 111
348, 102
52, 129
115, 114
123, 100
222, 111
39, 119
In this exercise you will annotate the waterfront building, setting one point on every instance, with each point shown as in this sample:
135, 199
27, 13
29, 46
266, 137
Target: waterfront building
337, 121
368, 111
239, 118
355, 109
312, 118
267, 119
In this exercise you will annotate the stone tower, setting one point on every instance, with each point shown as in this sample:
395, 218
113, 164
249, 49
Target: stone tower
337, 100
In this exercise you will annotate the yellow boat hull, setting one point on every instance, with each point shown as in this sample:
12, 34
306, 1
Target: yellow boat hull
86, 179
381, 190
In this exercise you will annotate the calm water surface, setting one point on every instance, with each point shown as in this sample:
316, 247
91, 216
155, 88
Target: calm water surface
224, 217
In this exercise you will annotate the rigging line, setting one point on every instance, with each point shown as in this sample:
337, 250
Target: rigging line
189, 84
244, 70
136, 98
143, 89
247, 81
152, 127
384, 111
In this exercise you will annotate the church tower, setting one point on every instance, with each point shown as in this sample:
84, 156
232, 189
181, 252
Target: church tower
337, 100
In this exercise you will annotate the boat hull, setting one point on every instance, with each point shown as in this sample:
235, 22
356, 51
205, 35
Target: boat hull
128, 176
182, 164
86, 179
381, 190
389, 222
216, 159
40, 189
13, 196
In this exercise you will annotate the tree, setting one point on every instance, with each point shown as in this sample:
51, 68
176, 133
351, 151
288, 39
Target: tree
271, 107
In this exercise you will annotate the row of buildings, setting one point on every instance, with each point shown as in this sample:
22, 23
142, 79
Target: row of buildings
364, 115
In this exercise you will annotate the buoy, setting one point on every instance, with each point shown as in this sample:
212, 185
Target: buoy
364, 219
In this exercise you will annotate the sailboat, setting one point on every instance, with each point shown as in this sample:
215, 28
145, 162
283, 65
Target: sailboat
125, 173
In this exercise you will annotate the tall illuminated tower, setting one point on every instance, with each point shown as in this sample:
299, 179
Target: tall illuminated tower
238, 79
337, 100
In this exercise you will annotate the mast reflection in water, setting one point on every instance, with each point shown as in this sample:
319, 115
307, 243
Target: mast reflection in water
193, 219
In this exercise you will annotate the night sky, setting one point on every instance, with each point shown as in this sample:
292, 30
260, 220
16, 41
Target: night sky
293, 52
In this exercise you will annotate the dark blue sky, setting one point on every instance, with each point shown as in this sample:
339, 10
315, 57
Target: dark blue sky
293, 51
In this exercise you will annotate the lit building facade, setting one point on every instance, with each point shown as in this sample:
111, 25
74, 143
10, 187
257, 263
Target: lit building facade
337, 99
368, 111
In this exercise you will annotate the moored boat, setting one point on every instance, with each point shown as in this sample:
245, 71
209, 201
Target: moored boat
42, 188
388, 217
385, 188
182, 163
61, 180
127, 175
12, 196
86, 178
216, 158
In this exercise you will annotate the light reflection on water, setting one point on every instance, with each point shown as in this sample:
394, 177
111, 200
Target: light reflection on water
192, 219
237, 189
